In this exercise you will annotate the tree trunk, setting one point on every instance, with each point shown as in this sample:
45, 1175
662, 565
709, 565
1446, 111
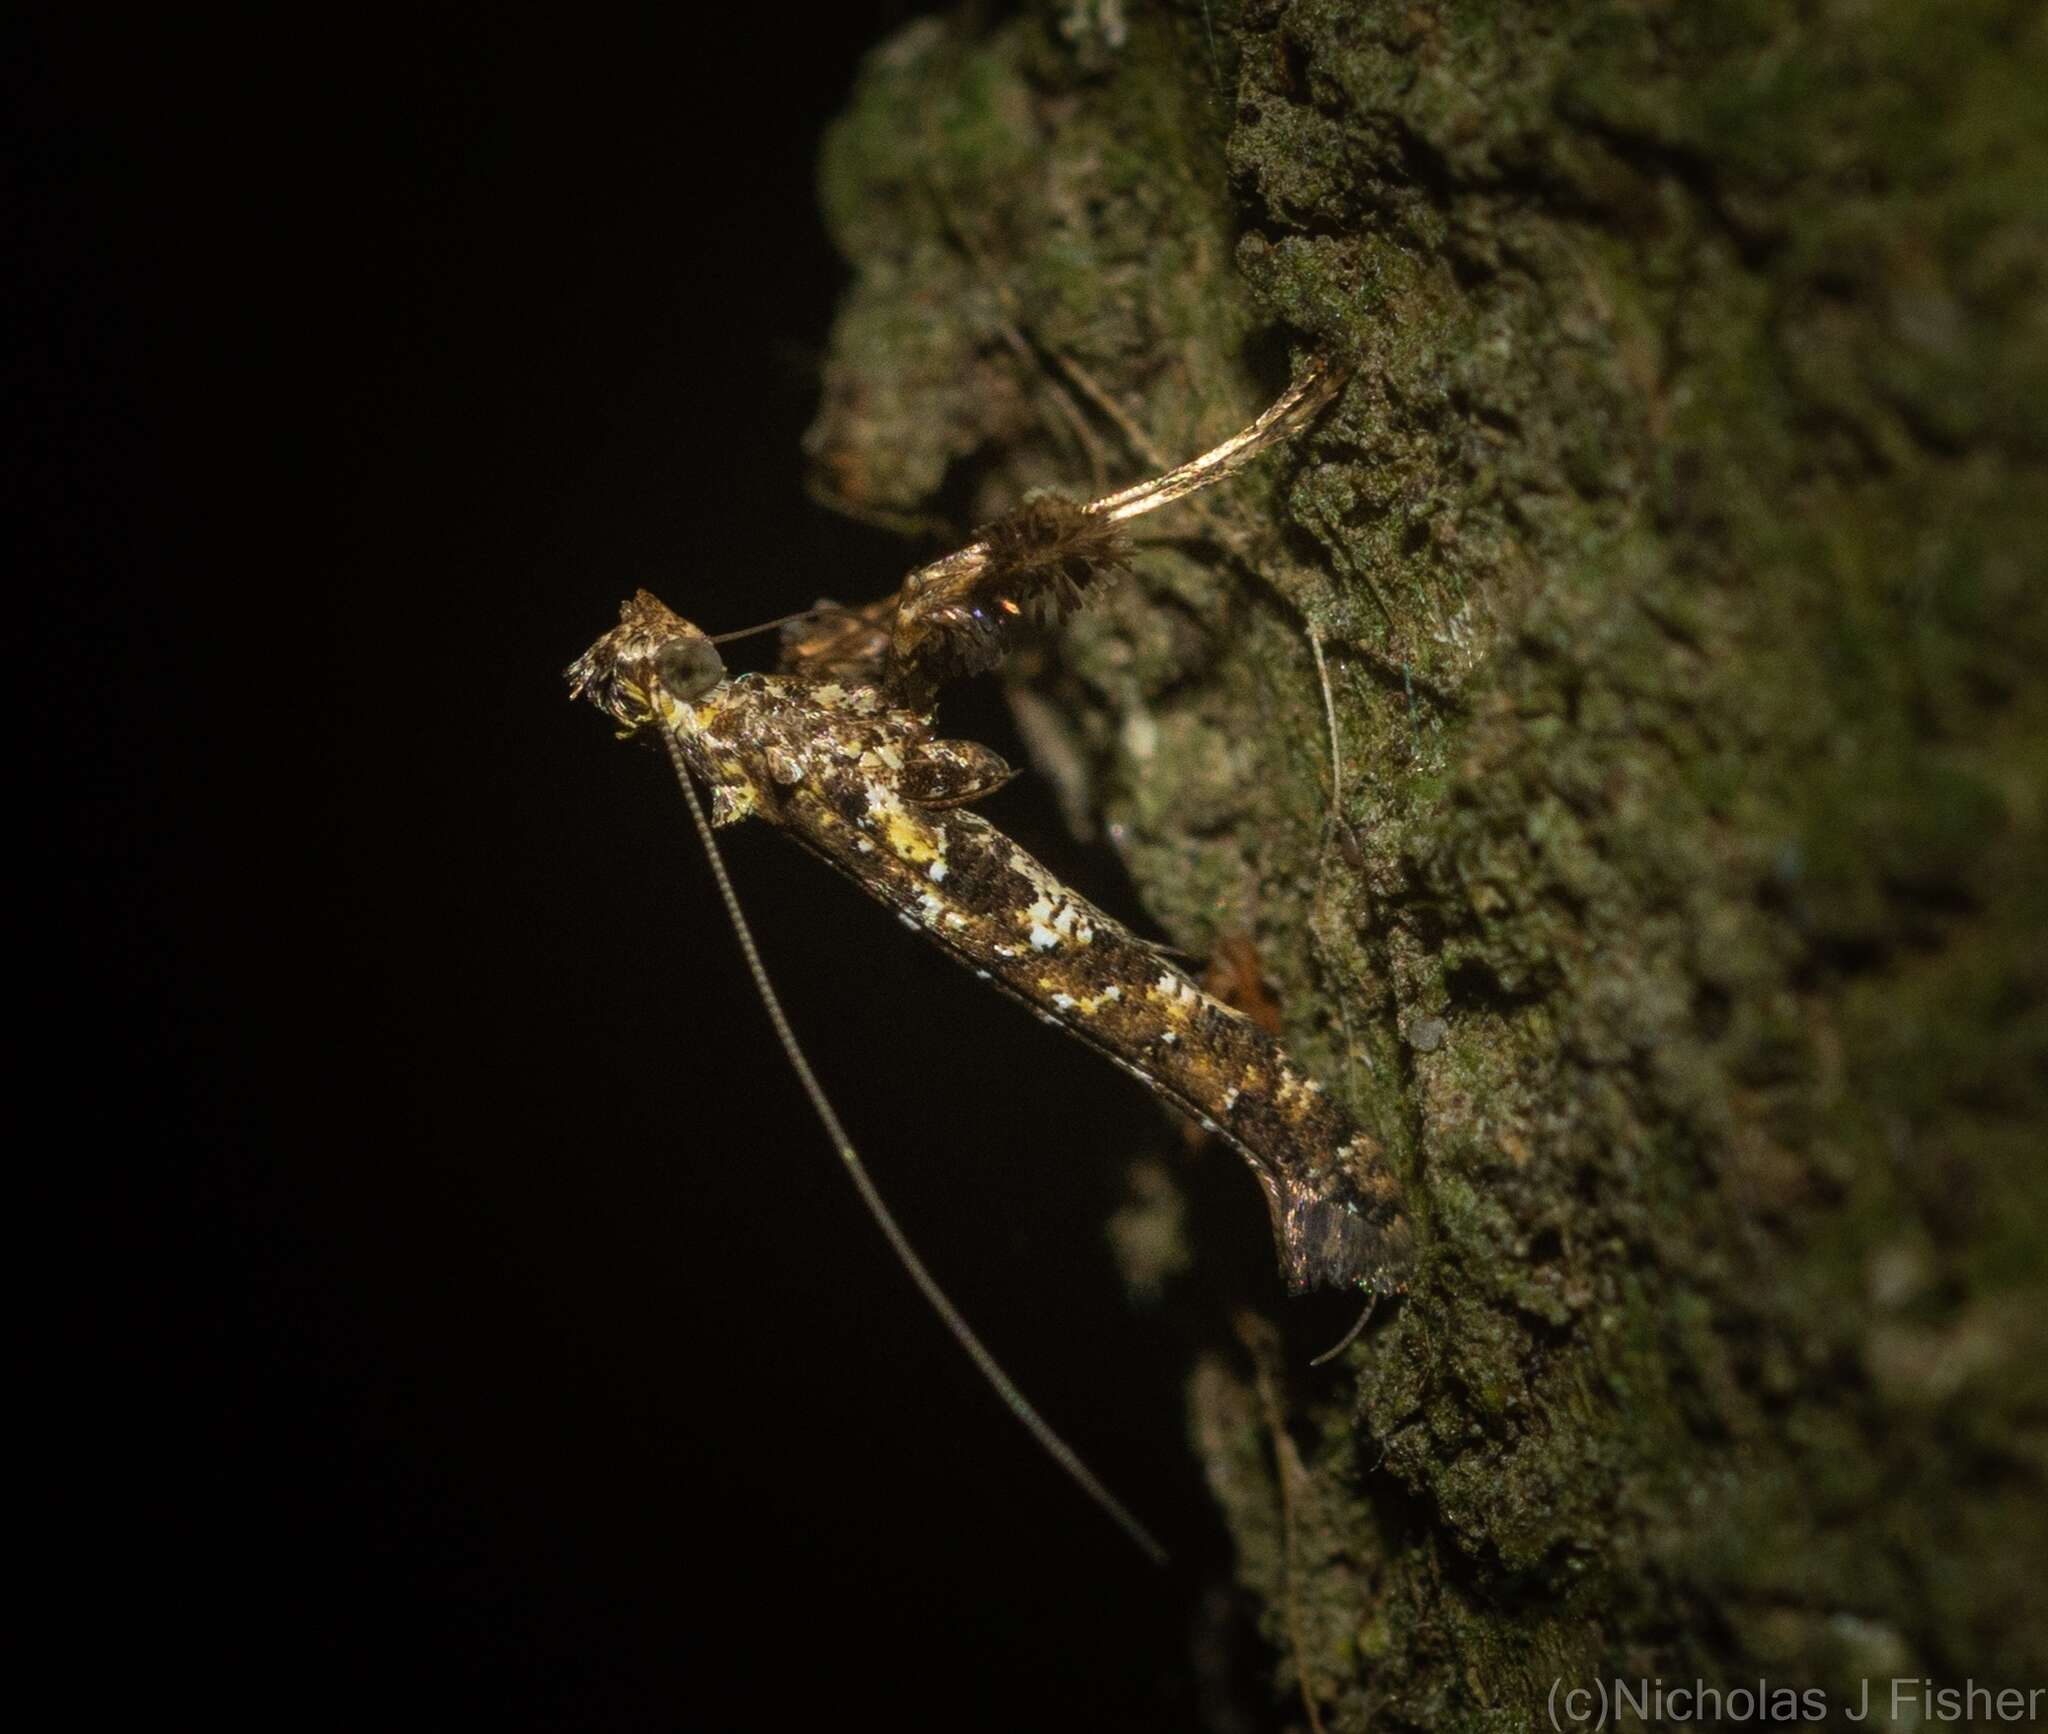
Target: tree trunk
1677, 918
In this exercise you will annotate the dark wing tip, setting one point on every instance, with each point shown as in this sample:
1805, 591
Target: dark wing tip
1329, 1246
1348, 1230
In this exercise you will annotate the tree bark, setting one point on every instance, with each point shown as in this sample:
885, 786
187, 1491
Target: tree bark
1678, 917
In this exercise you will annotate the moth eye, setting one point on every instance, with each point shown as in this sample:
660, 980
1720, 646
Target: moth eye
688, 668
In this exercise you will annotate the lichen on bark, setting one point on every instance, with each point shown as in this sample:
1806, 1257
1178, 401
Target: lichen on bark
1678, 548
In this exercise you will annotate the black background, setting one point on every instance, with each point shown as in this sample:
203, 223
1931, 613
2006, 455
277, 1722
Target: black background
473, 1329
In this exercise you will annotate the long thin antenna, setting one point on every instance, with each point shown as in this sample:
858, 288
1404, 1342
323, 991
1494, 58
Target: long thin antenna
770, 625
1035, 1424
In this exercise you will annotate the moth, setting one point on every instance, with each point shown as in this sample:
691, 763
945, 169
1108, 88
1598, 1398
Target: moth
839, 749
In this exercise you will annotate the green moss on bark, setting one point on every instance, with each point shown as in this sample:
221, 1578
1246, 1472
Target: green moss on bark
1680, 550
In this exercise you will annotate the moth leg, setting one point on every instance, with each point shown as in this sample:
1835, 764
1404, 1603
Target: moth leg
1030, 352
1338, 839
951, 773
1134, 436
959, 614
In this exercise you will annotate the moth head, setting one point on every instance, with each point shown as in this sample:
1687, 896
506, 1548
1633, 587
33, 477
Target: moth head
652, 650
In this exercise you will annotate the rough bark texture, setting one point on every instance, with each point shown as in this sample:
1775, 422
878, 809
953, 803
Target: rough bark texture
1678, 550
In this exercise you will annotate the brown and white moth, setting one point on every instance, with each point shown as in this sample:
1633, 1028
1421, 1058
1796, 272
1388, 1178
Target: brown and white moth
838, 749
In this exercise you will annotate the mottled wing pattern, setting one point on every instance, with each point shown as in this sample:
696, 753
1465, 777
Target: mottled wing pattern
1335, 1203
869, 789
